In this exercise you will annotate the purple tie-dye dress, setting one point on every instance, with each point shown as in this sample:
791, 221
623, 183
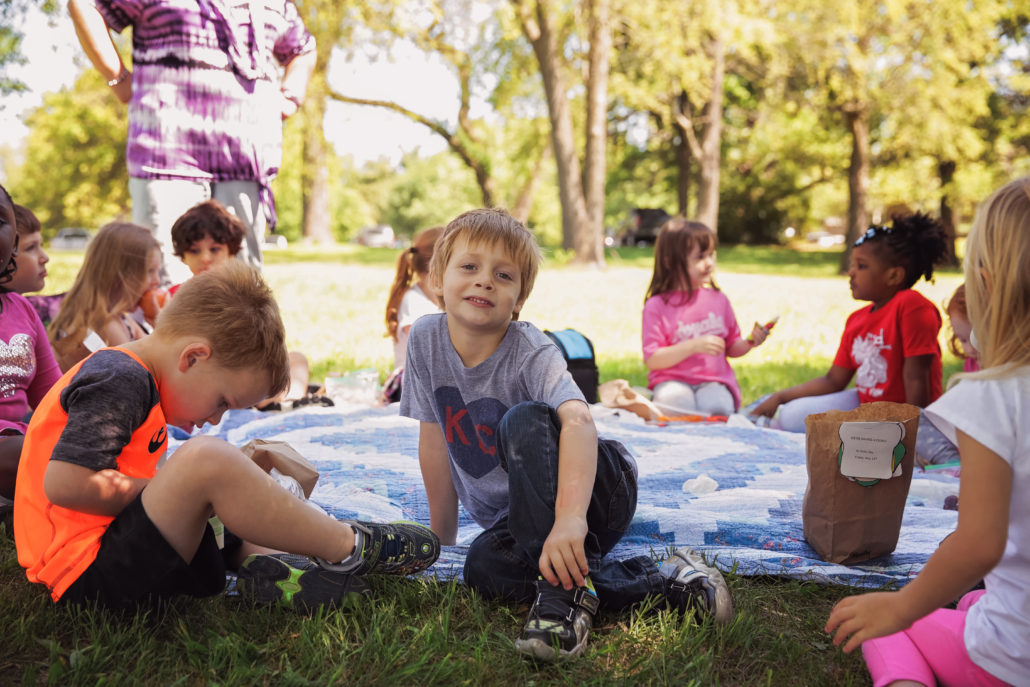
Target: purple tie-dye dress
205, 86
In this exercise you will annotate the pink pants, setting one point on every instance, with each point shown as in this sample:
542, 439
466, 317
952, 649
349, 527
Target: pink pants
932, 652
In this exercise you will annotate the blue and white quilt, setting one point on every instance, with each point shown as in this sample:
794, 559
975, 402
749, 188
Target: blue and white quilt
732, 492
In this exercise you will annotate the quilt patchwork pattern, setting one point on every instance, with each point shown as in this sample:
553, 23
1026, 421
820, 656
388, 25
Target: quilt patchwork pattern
732, 492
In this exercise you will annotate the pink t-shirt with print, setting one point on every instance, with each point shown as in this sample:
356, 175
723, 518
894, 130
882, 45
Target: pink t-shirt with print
669, 319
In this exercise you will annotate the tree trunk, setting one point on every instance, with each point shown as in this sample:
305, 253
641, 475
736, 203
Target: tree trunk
681, 148
946, 171
536, 25
315, 172
708, 188
857, 117
524, 200
589, 243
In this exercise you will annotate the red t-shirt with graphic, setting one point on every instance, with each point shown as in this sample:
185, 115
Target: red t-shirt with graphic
876, 342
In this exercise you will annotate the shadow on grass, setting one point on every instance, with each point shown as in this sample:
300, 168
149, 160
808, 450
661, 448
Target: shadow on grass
413, 632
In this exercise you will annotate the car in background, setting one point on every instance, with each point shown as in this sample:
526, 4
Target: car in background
377, 236
71, 238
642, 225
825, 239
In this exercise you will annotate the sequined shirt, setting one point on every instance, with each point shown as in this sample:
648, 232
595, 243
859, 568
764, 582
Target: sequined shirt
27, 365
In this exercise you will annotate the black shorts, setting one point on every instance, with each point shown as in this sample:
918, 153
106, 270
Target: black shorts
135, 565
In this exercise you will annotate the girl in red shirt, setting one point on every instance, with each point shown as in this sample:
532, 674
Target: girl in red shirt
890, 346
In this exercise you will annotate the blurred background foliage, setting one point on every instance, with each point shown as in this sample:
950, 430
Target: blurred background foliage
943, 87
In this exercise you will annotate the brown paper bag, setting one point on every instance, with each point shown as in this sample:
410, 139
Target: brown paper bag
844, 521
285, 459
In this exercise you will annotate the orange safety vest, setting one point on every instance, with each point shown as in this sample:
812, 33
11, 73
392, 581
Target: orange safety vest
55, 544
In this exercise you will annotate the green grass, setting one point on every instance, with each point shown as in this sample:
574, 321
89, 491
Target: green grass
426, 632
412, 633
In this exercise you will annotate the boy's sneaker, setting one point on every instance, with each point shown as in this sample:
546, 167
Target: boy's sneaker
396, 548
559, 622
294, 581
690, 584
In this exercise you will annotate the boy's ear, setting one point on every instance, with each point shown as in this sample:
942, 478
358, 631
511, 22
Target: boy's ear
436, 286
193, 353
518, 308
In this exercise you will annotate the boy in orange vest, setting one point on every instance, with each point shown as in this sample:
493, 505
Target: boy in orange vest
95, 520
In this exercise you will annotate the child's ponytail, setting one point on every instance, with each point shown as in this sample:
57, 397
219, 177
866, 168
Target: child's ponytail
919, 243
401, 283
412, 265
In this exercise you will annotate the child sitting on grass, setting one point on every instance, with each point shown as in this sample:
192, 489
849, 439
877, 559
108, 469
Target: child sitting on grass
909, 637
206, 236
689, 329
96, 521
932, 447
505, 430
122, 262
31, 277
410, 298
890, 346
32, 259
29, 368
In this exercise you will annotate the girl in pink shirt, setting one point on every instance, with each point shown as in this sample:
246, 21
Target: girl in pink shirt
27, 366
689, 329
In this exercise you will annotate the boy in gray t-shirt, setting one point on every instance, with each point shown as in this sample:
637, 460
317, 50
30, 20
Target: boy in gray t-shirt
505, 431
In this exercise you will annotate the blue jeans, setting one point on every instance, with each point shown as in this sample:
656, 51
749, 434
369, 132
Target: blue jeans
503, 560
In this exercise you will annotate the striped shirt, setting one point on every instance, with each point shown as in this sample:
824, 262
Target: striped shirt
205, 85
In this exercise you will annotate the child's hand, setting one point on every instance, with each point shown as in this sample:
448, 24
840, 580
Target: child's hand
867, 616
767, 407
758, 335
709, 345
563, 559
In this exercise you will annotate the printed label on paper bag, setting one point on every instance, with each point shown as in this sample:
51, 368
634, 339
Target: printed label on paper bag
868, 449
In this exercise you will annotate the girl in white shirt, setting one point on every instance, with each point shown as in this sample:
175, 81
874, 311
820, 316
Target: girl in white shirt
907, 637
410, 298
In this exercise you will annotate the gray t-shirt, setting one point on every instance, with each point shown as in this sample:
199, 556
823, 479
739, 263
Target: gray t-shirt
468, 402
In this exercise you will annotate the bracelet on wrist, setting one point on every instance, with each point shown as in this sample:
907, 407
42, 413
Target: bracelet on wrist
122, 75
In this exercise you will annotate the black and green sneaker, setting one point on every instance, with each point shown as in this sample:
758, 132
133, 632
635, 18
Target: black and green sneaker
297, 582
559, 622
691, 584
395, 548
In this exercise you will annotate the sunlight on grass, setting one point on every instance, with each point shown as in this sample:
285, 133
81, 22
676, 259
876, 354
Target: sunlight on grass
333, 303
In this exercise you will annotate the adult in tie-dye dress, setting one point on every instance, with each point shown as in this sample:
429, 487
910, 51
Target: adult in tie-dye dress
207, 95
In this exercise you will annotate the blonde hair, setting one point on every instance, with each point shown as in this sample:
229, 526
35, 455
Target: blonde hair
997, 271
110, 282
232, 309
490, 227
412, 264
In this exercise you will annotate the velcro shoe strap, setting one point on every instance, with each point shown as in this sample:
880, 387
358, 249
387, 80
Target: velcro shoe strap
585, 600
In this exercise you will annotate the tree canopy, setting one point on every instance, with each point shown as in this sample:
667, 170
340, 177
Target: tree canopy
752, 115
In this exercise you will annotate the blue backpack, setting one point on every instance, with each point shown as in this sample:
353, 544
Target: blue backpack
579, 356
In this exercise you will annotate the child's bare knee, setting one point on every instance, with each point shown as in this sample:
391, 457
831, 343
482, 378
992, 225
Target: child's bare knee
203, 454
